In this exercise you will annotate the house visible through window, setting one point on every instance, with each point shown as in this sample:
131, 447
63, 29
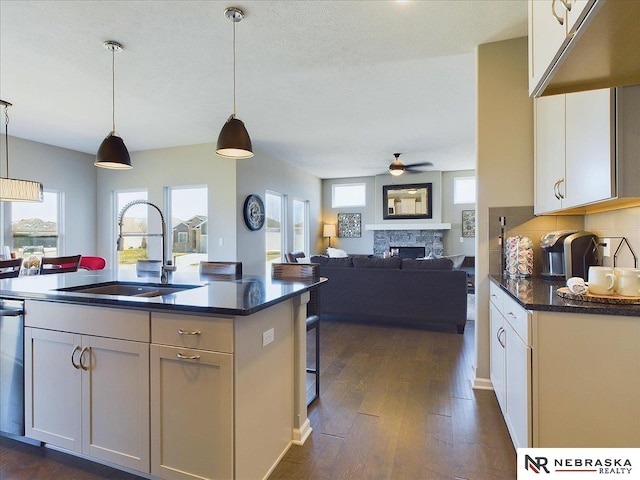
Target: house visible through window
349, 195
464, 190
188, 221
134, 229
35, 227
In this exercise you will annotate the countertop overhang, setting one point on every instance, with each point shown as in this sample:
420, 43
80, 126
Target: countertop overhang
243, 296
539, 293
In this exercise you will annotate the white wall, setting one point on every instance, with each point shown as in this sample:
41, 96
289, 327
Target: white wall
504, 169
452, 213
257, 175
179, 166
63, 170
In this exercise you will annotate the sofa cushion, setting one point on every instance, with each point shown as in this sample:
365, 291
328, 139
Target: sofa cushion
332, 262
376, 262
427, 264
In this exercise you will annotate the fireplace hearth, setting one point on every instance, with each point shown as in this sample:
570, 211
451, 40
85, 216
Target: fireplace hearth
408, 252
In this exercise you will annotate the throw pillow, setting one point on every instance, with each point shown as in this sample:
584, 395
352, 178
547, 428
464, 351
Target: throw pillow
456, 259
376, 262
303, 260
336, 253
427, 264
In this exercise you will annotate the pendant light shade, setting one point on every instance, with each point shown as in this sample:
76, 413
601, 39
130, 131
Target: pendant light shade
113, 153
234, 140
12, 189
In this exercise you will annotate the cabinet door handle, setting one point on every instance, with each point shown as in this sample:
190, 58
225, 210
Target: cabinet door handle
194, 332
555, 15
82, 352
560, 182
498, 333
556, 193
512, 315
75, 349
188, 357
567, 5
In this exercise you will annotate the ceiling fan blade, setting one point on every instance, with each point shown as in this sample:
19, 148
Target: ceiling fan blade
422, 164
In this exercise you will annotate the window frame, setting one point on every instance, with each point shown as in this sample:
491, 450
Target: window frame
335, 186
456, 182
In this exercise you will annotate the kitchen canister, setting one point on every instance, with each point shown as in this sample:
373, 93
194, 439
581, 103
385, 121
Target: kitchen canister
518, 256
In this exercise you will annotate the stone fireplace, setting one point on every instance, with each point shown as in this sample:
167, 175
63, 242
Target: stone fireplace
431, 240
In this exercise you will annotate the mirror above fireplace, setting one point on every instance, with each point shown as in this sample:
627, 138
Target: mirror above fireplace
409, 201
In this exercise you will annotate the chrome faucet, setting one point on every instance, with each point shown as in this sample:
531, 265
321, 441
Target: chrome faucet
167, 266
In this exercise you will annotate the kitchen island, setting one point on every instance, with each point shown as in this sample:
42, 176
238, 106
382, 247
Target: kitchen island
204, 380
566, 373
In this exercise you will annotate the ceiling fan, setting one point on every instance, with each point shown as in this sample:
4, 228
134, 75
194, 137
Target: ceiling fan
398, 168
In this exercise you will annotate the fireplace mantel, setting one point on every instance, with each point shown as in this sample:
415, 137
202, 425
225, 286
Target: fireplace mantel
408, 226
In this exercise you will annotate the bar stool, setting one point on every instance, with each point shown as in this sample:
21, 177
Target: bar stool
10, 268
293, 271
49, 265
221, 270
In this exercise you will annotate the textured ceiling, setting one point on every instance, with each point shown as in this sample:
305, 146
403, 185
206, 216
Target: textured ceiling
333, 87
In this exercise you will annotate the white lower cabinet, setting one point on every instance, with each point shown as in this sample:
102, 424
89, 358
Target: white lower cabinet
191, 398
188, 441
510, 364
89, 395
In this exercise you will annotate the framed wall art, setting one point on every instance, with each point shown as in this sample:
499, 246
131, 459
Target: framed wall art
349, 225
468, 223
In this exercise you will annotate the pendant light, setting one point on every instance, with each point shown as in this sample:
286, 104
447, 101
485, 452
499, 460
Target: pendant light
11, 189
234, 141
113, 153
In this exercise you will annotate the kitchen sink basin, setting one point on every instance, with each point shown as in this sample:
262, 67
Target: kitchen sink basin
129, 289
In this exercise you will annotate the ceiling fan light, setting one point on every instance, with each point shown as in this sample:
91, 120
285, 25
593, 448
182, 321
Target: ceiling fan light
396, 169
113, 154
234, 140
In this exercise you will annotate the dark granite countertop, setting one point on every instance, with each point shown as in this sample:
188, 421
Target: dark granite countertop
539, 293
243, 296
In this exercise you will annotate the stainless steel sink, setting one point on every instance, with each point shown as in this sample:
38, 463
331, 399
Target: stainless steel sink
129, 289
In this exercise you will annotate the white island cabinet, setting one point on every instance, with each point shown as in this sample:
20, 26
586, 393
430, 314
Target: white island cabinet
85, 391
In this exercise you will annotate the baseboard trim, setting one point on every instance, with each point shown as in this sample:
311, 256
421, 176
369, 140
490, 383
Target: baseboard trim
301, 434
482, 384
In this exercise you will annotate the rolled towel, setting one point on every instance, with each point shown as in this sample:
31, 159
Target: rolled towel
576, 285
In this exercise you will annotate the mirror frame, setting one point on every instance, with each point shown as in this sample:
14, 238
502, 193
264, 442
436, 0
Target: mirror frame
387, 215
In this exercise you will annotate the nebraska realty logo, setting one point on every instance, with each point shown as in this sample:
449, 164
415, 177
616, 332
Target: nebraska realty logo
582, 463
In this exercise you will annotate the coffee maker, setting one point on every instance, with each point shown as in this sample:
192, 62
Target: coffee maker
568, 253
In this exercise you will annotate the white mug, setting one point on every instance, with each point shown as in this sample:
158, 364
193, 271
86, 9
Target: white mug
602, 281
628, 281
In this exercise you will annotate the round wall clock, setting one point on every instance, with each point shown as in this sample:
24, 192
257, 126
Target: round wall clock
253, 211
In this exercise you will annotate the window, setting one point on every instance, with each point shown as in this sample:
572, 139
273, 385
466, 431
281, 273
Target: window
349, 195
300, 222
35, 227
274, 226
189, 228
464, 190
134, 228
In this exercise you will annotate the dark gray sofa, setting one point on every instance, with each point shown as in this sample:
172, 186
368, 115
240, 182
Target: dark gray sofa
407, 291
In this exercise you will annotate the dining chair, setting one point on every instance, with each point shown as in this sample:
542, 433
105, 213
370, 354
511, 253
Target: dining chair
50, 265
10, 268
222, 270
88, 262
298, 271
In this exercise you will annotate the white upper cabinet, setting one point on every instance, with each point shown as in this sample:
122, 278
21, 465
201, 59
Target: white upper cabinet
580, 45
586, 150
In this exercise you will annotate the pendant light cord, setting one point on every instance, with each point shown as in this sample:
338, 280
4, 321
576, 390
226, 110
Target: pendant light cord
234, 69
113, 90
6, 136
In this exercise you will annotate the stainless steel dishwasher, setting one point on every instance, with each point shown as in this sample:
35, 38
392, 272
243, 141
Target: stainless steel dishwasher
12, 367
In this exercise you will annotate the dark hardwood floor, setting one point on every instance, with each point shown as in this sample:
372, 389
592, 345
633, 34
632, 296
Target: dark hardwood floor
395, 404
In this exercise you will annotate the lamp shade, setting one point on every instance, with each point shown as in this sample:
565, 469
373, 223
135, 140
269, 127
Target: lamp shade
234, 140
14, 190
113, 154
329, 231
